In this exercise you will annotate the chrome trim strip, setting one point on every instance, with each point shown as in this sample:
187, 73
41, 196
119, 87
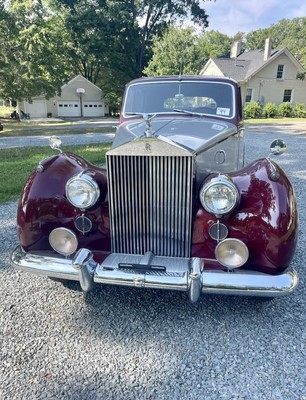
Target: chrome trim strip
176, 81
182, 274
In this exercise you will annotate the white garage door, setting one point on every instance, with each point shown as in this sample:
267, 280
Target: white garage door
93, 109
68, 109
36, 109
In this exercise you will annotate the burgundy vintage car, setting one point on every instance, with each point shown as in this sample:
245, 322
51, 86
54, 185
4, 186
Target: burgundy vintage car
175, 206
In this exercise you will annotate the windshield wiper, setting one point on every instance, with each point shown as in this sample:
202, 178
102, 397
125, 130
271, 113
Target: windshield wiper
188, 112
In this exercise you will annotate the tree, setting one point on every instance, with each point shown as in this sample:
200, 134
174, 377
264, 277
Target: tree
175, 53
31, 51
213, 44
110, 41
286, 33
43, 42
128, 21
157, 15
180, 50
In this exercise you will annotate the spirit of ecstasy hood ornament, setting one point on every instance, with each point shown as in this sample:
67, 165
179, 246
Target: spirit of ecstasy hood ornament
148, 119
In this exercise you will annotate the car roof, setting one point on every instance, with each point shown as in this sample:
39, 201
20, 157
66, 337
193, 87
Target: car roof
179, 78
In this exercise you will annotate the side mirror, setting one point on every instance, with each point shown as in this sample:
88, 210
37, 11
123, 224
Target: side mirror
55, 143
278, 147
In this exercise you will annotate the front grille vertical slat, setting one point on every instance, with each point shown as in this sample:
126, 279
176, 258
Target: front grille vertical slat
168, 243
150, 200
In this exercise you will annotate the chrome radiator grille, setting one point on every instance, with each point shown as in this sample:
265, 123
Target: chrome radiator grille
150, 200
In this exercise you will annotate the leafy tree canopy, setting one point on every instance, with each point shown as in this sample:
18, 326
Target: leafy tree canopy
32, 50
43, 42
180, 50
174, 54
286, 33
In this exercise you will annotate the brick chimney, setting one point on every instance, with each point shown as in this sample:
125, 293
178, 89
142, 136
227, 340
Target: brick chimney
235, 49
268, 48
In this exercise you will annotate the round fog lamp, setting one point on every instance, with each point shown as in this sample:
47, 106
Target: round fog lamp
232, 253
64, 241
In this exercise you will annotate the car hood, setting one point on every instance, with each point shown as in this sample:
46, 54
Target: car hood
195, 134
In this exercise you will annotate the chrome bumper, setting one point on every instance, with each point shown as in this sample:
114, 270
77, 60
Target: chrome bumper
181, 274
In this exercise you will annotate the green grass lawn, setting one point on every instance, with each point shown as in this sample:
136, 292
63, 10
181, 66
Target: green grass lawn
17, 164
22, 128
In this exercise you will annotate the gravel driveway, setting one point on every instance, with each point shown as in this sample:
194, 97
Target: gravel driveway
120, 343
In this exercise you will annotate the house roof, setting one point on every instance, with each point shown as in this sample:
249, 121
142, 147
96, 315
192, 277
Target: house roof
249, 63
80, 78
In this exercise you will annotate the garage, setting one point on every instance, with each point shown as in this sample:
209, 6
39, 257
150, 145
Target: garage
36, 109
68, 109
93, 109
78, 98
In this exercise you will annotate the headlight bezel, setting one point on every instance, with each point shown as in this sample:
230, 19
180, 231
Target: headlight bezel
219, 182
79, 180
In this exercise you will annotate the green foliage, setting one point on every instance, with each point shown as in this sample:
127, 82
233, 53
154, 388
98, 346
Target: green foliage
269, 110
180, 50
174, 54
45, 42
299, 110
32, 48
285, 109
5, 112
213, 44
286, 33
252, 110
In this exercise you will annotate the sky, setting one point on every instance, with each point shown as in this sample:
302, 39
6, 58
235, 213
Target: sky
232, 16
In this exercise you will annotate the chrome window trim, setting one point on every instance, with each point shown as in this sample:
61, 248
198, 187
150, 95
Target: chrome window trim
128, 116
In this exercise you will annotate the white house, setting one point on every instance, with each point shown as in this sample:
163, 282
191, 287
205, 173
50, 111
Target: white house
265, 75
79, 98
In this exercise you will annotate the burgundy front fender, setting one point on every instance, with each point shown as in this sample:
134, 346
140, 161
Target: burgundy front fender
43, 205
266, 219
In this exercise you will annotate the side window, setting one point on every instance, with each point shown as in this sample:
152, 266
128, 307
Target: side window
287, 95
280, 72
249, 95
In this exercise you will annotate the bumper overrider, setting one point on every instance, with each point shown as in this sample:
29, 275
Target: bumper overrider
149, 271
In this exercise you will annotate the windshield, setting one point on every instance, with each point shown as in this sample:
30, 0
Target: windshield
207, 98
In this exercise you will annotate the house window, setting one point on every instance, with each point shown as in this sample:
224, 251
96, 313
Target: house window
249, 95
287, 95
280, 72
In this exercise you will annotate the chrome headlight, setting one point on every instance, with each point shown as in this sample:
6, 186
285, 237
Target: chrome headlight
82, 191
219, 196
64, 241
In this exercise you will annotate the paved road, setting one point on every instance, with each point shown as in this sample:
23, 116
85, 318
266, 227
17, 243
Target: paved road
120, 343
35, 141
87, 138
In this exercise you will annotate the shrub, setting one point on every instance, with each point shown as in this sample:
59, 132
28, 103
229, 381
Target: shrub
252, 110
299, 110
285, 109
269, 110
